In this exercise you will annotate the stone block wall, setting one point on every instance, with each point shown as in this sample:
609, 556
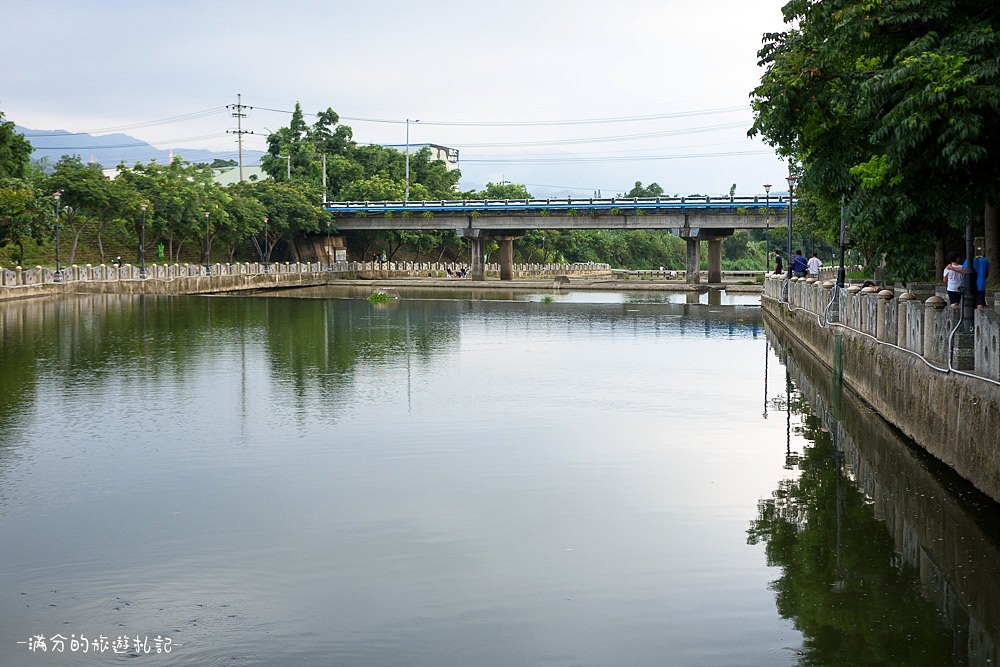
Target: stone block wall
18, 283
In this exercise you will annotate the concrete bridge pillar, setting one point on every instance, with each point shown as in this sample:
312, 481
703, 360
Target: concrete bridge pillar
506, 257
715, 260
693, 265
476, 265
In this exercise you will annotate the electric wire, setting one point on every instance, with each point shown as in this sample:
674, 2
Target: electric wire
535, 123
194, 115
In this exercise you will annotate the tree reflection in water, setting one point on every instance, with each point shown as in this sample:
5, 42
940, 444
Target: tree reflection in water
855, 589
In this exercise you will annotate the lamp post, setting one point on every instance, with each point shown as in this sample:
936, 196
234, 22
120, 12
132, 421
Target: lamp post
329, 250
57, 277
791, 192
265, 255
208, 267
406, 196
842, 272
767, 225
142, 242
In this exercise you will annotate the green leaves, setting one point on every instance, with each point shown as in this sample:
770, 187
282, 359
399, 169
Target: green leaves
298, 152
15, 151
890, 106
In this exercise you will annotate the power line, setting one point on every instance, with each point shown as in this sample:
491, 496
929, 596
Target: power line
194, 115
623, 158
108, 146
714, 144
537, 123
605, 139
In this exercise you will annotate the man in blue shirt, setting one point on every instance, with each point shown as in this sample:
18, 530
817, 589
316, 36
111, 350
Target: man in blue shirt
981, 266
799, 266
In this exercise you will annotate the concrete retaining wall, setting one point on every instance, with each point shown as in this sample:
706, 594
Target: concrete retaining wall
954, 417
21, 283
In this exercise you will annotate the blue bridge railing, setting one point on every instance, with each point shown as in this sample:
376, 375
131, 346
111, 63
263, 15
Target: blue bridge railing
625, 204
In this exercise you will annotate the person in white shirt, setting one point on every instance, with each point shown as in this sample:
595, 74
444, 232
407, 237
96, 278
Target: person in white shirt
814, 265
953, 274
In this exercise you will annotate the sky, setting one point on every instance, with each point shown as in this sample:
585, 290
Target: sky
570, 97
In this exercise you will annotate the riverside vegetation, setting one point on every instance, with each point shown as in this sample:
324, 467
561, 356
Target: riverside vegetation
189, 215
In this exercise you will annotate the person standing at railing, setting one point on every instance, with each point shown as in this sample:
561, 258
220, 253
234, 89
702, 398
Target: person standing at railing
813, 266
981, 265
777, 263
799, 266
953, 274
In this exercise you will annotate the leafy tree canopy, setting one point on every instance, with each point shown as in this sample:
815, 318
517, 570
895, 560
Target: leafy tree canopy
890, 108
15, 151
640, 190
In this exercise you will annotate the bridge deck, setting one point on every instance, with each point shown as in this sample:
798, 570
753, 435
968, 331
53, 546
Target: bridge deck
748, 204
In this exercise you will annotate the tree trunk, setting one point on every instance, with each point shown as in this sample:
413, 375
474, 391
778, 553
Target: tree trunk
939, 259
72, 249
100, 245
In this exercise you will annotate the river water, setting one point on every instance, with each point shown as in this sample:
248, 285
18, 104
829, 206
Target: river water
462, 479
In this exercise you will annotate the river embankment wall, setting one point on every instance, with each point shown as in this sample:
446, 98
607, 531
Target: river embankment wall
897, 353
20, 283
180, 279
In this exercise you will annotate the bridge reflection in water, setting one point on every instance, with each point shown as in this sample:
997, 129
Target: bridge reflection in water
887, 557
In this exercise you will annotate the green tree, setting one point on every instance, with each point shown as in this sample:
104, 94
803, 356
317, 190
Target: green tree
15, 151
886, 106
244, 218
86, 196
433, 175
504, 190
179, 193
26, 211
289, 210
640, 190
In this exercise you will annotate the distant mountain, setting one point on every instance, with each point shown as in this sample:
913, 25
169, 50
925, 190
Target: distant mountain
111, 149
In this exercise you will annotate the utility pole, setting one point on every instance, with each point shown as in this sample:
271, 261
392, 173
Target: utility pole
239, 131
324, 178
406, 196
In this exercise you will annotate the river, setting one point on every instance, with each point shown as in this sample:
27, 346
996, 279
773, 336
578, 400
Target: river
454, 479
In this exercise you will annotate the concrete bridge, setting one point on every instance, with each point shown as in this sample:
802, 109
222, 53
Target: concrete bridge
694, 219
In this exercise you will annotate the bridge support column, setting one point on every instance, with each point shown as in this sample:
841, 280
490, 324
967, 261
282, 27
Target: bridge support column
476, 265
693, 266
506, 257
715, 260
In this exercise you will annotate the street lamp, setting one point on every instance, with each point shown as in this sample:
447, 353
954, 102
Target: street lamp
265, 254
329, 250
842, 272
767, 225
208, 267
58, 274
791, 191
406, 197
142, 243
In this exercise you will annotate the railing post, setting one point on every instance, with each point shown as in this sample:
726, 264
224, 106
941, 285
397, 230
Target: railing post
932, 309
882, 315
